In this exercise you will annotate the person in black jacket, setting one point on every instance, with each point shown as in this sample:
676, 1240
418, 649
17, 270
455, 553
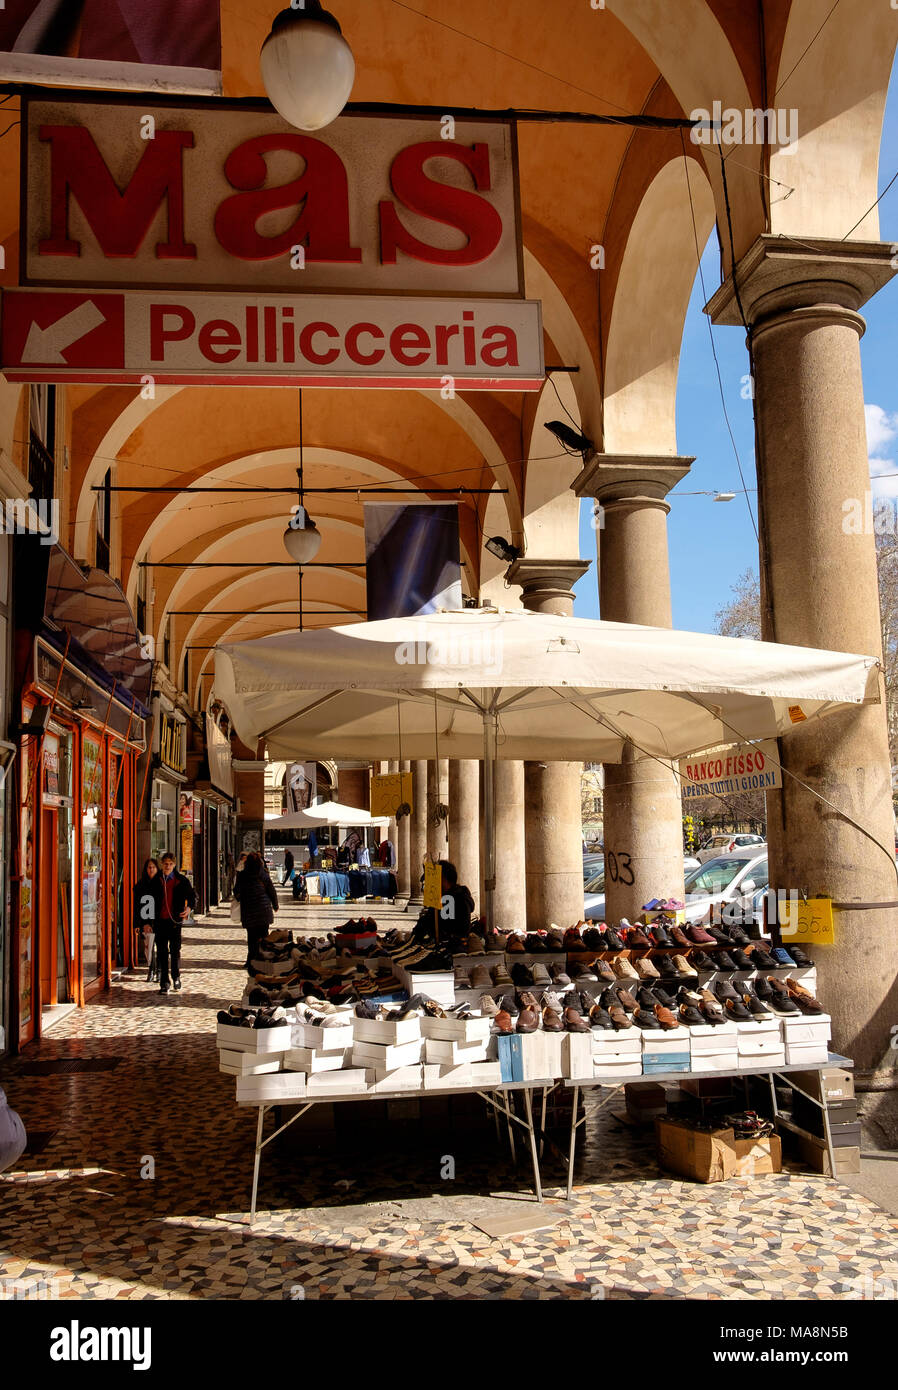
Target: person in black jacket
178, 897
148, 905
289, 863
258, 900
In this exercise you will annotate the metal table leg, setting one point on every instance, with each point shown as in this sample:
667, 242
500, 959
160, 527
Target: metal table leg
528, 1104
573, 1144
258, 1159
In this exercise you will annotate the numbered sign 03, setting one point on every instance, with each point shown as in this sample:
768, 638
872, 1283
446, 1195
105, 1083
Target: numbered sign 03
618, 867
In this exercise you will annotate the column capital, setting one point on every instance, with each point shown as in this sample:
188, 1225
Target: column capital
546, 580
778, 273
641, 479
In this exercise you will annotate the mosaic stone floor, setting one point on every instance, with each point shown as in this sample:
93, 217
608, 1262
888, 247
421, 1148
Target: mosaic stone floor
361, 1211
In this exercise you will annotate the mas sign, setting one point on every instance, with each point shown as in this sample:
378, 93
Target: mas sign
216, 197
213, 242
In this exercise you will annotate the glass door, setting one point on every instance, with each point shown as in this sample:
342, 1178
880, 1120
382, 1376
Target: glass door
92, 923
117, 945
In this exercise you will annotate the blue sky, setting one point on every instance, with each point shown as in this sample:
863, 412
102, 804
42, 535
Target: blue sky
712, 543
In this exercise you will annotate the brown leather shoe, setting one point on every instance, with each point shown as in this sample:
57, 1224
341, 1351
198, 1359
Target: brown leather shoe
603, 970
528, 1021
678, 936
504, 1022
803, 997
637, 939
575, 1022
552, 1021
626, 999
666, 1018
515, 945
526, 1000
619, 1018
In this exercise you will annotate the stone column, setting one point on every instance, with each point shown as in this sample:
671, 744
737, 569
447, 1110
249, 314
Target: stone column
819, 589
642, 807
553, 823
437, 795
510, 898
403, 846
417, 830
464, 822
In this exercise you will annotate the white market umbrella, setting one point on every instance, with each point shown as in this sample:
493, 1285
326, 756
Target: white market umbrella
485, 684
326, 813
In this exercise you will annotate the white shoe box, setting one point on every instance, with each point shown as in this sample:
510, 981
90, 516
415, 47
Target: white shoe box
612, 1069
438, 985
465, 1030
249, 1063
486, 1074
273, 967
715, 1061
271, 1090
437, 1077
312, 1060
705, 1038
253, 1039
337, 1083
767, 1047
576, 1056
387, 1031
449, 1054
331, 1039
541, 1055
397, 1079
807, 1028
609, 1045
385, 1055
676, 1040
763, 1026
805, 1053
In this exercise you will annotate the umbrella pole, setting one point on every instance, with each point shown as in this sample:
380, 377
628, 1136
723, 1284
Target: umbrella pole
490, 734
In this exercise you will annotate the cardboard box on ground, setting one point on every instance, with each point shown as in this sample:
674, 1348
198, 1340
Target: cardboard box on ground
715, 1155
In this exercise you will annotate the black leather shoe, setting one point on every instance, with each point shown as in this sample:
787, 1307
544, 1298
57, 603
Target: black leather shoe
660, 936
600, 1018
163, 989
613, 941
798, 956
666, 968
688, 1013
662, 997
736, 1009
755, 1007
646, 999
702, 961
762, 960
720, 936
723, 990
741, 960
724, 961
761, 988
643, 1019
592, 938
521, 975
738, 936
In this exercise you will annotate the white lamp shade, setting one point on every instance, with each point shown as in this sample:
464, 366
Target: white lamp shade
308, 70
303, 543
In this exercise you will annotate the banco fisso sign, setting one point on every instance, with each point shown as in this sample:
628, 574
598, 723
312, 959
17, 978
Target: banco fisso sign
212, 241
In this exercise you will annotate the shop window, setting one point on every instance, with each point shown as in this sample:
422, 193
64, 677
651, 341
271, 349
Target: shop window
141, 614
42, 442
92, 861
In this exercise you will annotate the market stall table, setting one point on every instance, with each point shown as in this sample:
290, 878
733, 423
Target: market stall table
500, 1106
616, 1085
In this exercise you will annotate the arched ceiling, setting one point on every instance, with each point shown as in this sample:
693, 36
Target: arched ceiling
644, 197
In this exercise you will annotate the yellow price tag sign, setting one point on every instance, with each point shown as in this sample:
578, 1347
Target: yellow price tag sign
433, 886
807, 921
388, 791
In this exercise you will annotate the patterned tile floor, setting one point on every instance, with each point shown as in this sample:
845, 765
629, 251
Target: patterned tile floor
362, 1211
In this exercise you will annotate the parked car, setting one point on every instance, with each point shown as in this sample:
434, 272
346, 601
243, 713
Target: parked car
726, 844
736, 879
592, 864
594, 891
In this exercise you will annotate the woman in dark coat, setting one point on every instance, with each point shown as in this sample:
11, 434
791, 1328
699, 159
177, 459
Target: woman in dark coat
148, 893
258, 900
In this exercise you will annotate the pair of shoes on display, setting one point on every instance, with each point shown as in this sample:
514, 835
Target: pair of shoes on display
253, 1018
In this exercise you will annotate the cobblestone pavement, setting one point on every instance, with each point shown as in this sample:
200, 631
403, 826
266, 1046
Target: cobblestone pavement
360, 1210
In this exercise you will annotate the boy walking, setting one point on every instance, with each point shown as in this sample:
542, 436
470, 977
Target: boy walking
178, 897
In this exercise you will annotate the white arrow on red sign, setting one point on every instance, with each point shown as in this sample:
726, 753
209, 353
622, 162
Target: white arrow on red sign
48, 344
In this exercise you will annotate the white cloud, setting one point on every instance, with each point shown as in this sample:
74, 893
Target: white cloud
881, 429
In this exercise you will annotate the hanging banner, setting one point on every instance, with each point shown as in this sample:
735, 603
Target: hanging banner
388, 792
746, 767
413, 559
175, 44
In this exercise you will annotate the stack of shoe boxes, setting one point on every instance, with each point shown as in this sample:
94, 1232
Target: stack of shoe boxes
834, 1087
663, 1052
391, 1050
616, 1054
807, 1038
250, 1053
760, 1043
714, 1048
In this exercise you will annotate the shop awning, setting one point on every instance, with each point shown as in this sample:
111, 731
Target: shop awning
567, 689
